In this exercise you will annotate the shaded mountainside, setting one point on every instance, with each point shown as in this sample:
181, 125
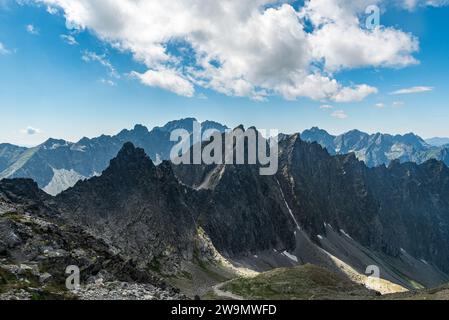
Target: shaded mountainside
242, 211
36, 247
138, 207
379, 149
57, 165
395, 217
402, 208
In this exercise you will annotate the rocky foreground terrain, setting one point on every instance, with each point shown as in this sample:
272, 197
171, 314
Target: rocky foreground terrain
36, 249
146, 231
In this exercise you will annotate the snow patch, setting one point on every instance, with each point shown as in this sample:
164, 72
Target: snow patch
345, 234
290, 256
78, 147
287, 206
327, 225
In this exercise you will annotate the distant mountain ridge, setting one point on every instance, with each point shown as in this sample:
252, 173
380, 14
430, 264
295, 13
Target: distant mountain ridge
378, 149
58, 164
438, 142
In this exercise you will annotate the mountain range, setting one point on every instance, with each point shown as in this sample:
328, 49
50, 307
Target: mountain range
58, 164
380, 149
199, 225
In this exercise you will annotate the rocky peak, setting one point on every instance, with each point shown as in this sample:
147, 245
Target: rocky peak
207, 125
54, 143
140, 128
130, 159
186, 124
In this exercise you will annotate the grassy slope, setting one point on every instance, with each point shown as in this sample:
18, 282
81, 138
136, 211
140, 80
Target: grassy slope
300, 283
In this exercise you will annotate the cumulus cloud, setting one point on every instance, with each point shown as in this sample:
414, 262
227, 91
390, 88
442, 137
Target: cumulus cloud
326, 107
247, 48
52, 10
412, 90
167, 79
31, 131
357, 93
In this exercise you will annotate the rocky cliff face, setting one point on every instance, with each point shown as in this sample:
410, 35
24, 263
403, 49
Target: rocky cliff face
138, 207
37, 245
242, 211
403, 207
394, 214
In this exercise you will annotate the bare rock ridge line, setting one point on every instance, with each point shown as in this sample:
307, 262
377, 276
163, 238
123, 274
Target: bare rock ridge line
57, 165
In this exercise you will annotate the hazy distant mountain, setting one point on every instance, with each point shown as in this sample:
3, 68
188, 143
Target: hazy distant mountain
9, 154
58, 164
438, 142
378, 149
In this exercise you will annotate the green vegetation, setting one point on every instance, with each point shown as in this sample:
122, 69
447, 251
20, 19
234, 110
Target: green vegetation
440, 293
30, 284
13, 216
300, 283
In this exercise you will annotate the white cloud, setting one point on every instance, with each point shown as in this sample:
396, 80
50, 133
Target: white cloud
412, 90
342, 44
380, 105
31, 131
413, 4
167, 79
398, 104
69, 39
31, 29
108, 82
357, 93
52, 10
326, 107
339, 114
89, 56
3, 50
252, 48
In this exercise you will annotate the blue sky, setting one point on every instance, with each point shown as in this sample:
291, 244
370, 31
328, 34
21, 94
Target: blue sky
50, 88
